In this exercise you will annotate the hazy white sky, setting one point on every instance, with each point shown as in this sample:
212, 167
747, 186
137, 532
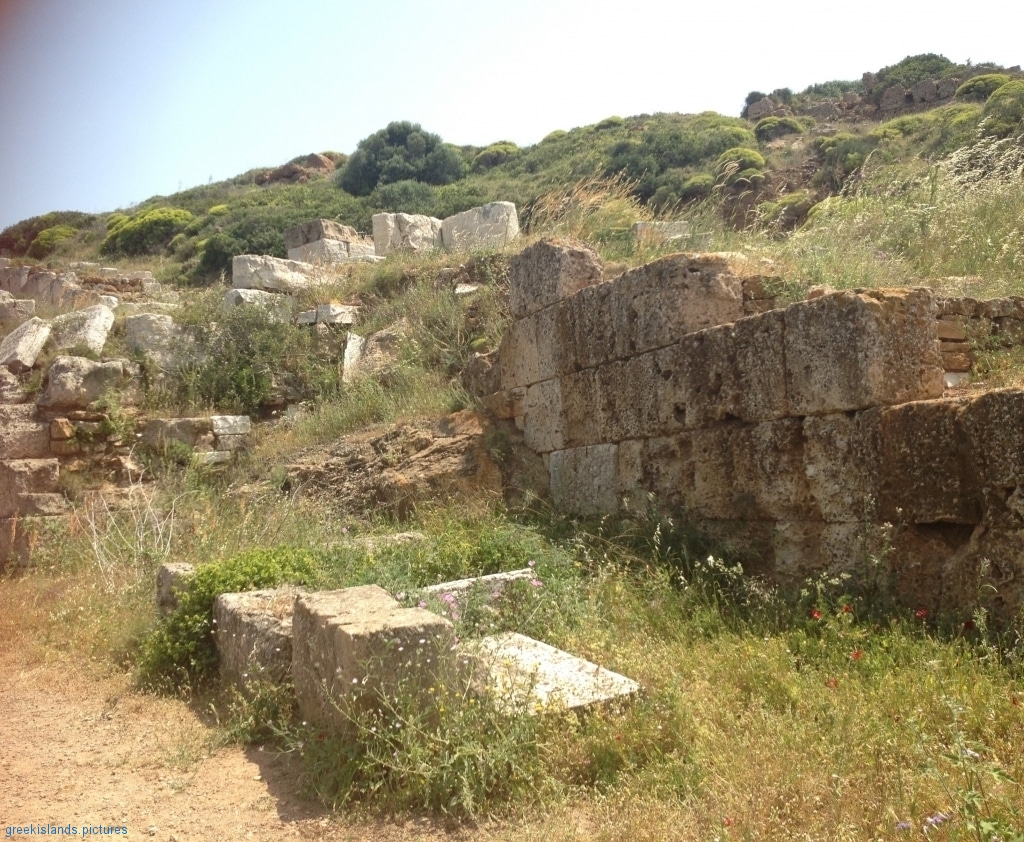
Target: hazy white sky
107, 102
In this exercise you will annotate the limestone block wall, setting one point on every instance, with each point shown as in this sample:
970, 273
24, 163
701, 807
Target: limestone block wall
815, 436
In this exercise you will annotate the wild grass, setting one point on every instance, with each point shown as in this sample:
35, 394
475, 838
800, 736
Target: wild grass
955, 225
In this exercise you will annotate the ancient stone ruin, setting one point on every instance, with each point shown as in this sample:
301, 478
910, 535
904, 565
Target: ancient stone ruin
815, 436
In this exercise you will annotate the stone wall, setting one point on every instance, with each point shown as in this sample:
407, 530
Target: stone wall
815, 436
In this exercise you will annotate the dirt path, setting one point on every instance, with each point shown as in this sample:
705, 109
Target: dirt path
85, 750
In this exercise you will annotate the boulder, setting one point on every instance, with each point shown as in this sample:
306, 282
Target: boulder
763, 107
405, 232
371, 354
20, 348
77, 382
490, 226
86, 329
171, 580
894, 98
271, 274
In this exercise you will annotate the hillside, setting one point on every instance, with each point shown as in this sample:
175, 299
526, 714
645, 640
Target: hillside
565, 530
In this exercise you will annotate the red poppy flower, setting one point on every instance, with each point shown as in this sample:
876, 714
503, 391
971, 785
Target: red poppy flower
921, 613
856, 654
847, 609
815, 614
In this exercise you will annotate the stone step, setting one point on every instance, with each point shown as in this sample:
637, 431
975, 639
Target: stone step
527, 676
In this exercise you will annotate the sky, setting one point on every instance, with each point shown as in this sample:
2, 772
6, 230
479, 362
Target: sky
105, 103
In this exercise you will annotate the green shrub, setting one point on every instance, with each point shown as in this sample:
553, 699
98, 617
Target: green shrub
786, 212
981, 87
911, 70
402, 151
218, 210
770, 128
16, 239
493, 155
404, 197
740, 157
1004, 110
698, 186
181, 650
145, 233
843, 153
833, 89
48, 239
610, 123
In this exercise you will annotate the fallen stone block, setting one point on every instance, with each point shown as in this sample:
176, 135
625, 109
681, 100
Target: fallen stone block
11, 390
352, 646
212, 458
20, 348
316, 230
405, 232
490, 226
336, 314
369, 355
276, 305
164, 344
77, 382
493, 583
16, 311
320, 251
159, 432
253, 633
523, 675
230, 425
171, 579
270, 274
83, 329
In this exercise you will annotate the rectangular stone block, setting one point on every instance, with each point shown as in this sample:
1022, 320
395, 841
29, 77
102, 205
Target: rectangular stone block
848, 351
584, 480
529, 351
171, 580
586, 324
352, 645
993, 440
547, 272
486, 585
626, 392
22, 435
523, 675
316, 230
487, 227
582, 416
924, 473
543, 417
253, 633
669, 298
842, 466
230, 425
336, 314
752, 472
320, 251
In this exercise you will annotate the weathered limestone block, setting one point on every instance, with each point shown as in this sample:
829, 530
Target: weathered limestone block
212, 458
405, 232
336, 314
253, 633
22, 435
584, 480
679, 294
841, 463
42, 505
333, 251
988, 571
762, 108
13, 279
847, 351
524, 675
316, 230
925, 473
482, 374
752, 472
77, 382
530, 349
270, 274
171, 580
231, 443
626, 392
230, 425
11, 390
371, 354
86, 329
277, 306
20, 479
155, 336
993, 441
543, 425
587, 324
582, 420
668, 469
350, 646
20, 348
159, 432
16, 311
549, 271
483, 585
490, 226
